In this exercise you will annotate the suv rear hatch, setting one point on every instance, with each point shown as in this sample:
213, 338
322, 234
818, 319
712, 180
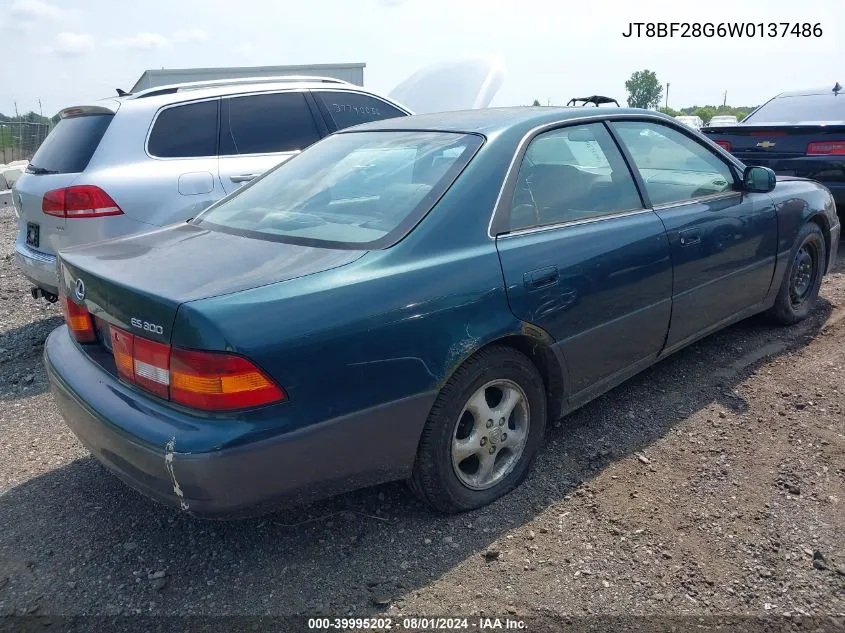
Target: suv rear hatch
57, 164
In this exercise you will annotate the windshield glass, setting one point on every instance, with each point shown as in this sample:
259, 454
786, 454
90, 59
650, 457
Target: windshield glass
362, 189
800, 108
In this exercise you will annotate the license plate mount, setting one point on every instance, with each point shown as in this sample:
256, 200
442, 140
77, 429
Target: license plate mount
33, 234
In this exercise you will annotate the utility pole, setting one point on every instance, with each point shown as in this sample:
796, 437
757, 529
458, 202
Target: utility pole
667, 95
16, 110
725, 100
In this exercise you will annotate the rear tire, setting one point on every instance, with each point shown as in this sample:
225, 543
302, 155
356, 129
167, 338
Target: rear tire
803, 278
483, 432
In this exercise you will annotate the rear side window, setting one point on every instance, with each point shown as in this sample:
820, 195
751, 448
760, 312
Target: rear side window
571, 174
825, 107
185, 131
71, 144
351, 108
263, 124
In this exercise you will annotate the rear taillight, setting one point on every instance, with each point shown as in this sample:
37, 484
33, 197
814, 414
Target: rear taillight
78, 320
210, 381
152, 362
79, 201
203, 380
726, 145
826, 148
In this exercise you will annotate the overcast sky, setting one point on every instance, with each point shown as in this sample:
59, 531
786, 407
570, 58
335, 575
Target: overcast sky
67, 52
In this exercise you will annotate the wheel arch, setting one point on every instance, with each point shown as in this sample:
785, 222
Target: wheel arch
537, 345
822, 222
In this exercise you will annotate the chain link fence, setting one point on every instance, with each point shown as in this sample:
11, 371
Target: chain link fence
20, 139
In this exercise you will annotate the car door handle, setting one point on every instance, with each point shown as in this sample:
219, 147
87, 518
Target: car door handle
689, 238
243, 177
541, 277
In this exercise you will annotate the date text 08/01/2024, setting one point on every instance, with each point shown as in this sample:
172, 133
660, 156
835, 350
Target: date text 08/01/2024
723, 29
415, 624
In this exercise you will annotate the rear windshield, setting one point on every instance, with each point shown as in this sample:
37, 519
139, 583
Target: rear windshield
356, 190
799, 109
71, 144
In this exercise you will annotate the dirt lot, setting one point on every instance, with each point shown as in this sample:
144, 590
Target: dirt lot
713, 483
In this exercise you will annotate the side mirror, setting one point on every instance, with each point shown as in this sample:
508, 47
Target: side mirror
758, 179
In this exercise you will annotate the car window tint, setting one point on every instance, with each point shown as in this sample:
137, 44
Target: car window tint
800, 109
185, 131
263, 124
571, 174
71, 144
673, 166
351, 108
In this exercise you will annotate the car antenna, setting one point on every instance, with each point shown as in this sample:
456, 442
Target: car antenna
837, 88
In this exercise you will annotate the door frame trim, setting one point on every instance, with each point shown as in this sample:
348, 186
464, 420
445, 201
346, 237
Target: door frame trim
502, 202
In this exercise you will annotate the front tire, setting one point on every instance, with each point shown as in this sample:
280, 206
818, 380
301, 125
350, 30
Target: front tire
483, 432
803, 278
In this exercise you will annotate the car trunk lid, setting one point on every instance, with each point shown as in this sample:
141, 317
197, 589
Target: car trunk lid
138, 283
774, 141
462, 84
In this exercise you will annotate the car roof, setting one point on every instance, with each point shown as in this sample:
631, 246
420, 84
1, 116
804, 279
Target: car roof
193, 94
489, 121
808, 93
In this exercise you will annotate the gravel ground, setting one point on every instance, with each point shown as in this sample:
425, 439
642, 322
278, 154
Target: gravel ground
713, 483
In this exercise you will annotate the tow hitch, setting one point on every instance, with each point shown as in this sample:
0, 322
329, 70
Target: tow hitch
37, 293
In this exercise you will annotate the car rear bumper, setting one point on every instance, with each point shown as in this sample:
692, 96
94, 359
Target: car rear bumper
226, 472
38, 267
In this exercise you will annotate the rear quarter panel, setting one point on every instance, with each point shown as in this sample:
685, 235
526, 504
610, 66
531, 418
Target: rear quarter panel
361, 336
149, 190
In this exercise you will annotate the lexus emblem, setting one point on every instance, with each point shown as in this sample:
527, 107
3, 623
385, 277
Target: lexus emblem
79, 289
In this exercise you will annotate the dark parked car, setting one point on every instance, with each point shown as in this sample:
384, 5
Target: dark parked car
414, 299
795, 134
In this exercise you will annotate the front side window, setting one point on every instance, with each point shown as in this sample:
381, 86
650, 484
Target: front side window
349, 190
185, 131
571, 174
265, 124
346, 108
673, 166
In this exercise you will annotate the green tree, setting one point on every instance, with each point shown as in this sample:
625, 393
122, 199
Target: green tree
536, 103
644, 90
706, 113
669, 111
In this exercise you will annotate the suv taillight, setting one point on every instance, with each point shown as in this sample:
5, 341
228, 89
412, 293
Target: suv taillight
78, 319
826, 148
79, 201
726, 145
210, 381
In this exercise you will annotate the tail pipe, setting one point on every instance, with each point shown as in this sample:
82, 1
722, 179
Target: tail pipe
38, 293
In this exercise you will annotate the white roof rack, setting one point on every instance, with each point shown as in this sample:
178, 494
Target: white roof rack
236, 81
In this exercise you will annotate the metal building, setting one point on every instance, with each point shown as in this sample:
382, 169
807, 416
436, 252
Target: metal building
353, 73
